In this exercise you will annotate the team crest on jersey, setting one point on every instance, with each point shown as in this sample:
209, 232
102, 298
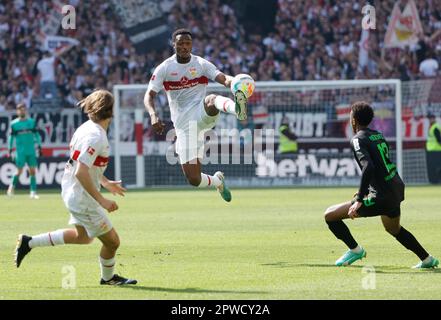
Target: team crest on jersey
193, 71
90, 151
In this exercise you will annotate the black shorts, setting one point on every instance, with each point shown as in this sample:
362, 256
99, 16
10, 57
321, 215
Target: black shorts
376, 206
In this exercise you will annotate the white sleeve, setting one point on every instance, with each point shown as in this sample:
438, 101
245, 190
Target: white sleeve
157, 80
90, 149
209, 69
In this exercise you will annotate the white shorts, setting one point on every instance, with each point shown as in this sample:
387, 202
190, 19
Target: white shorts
190, 140
95, 222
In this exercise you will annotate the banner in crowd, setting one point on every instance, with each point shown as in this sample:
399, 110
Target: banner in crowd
363, 55
144, 23
52, 21
58, 45
404, 27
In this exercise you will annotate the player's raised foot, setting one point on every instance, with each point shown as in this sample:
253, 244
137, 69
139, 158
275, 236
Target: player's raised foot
241, 102
429, 263
34, 195
350, 257
10, 191
22, 248
118, 281
223, 189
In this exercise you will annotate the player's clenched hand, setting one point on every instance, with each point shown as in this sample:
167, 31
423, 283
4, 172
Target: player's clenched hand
115, 187
353, 210
157, 124
109, 205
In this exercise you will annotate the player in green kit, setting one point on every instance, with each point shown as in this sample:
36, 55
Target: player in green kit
25, 134
380, 193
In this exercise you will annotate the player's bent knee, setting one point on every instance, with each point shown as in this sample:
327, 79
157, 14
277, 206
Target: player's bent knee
113, 243
393, 231
209, 100
328, 213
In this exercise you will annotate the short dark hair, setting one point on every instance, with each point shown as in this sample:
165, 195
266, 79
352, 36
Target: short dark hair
362, 112
181, 31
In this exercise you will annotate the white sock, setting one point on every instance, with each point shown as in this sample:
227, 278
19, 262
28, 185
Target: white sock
358, 249
208, 181
428, 259
53, 238
107, 268
225, 105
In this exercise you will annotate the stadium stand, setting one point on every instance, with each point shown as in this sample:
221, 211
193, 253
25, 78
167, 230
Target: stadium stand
310, 40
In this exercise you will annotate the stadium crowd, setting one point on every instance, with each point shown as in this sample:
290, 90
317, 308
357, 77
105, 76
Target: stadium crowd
311, 40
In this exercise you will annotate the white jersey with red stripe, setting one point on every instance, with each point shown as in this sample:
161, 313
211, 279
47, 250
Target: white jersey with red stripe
90, 146
185, 86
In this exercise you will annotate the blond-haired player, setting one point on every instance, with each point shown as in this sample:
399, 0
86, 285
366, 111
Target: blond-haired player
81, 184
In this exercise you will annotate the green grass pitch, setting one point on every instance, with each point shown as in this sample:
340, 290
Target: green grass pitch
265, 244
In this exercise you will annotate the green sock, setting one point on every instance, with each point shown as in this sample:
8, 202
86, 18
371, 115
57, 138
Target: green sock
33, 183
14, 181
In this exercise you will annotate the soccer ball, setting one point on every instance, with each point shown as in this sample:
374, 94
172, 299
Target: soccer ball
244, 83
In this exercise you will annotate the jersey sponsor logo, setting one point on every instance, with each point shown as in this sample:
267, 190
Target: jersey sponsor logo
356, 144
23, 131
184, 83
90, 151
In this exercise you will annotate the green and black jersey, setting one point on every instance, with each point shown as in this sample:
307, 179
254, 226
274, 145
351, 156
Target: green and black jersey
379, 174
25, 134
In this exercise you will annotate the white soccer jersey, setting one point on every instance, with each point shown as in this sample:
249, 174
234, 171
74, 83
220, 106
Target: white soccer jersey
89, 145
184, 84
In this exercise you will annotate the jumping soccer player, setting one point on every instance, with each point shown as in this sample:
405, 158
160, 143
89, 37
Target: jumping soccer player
25, 134
81, 184
380, 194
184, 77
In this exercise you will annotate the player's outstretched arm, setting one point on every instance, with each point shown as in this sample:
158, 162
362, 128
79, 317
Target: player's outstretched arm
83, 176
224, 79
113, 186
149, 103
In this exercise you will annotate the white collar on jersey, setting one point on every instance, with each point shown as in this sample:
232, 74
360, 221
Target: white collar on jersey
175, 58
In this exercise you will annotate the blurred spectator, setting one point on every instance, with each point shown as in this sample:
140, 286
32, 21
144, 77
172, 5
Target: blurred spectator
46, 69
429, 67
